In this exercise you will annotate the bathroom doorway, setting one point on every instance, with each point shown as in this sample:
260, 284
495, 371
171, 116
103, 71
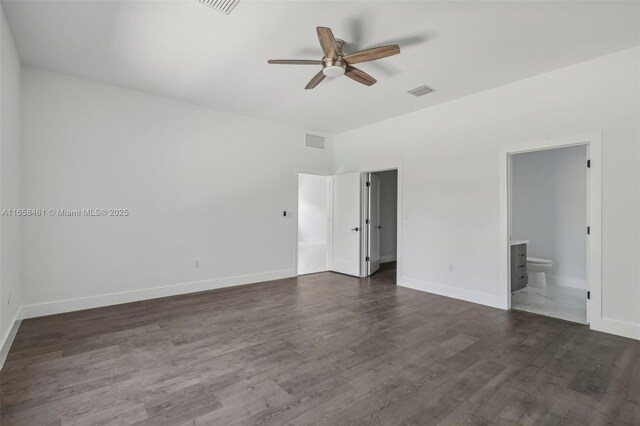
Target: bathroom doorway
548, 232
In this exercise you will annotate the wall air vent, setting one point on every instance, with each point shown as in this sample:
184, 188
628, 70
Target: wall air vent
315, 141
224, 6
421, 91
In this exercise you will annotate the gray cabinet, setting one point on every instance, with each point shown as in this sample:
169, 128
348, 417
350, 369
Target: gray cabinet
518, 267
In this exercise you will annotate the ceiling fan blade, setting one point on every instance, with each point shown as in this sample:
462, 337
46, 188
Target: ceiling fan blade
315, 80
294, 62
359, 76
372, 54
327, 42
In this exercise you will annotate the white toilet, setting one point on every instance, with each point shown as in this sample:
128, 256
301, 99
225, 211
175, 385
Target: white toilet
536, 269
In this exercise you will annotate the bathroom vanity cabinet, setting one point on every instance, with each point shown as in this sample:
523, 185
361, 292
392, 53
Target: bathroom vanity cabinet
518, 266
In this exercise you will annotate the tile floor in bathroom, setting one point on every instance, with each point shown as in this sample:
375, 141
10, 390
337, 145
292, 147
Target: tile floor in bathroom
556, 301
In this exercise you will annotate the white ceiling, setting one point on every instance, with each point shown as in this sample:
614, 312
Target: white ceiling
187, 51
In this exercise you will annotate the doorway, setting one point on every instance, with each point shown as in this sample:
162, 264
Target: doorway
548, 232
381, 222
312, 223
364, 230
593, 171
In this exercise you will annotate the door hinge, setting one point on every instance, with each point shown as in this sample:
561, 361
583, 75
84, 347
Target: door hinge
367, 221
588, 230
368, 183
588, 295
588, 164
367, 258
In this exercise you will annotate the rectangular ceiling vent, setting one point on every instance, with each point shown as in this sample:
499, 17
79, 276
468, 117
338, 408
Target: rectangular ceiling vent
315, 141
421, 91
224, 6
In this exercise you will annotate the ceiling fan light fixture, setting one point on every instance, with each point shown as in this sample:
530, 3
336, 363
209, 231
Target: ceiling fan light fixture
333, 71
334, 67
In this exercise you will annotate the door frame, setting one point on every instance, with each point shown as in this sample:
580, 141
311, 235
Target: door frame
593, 142
366, 227
364, 212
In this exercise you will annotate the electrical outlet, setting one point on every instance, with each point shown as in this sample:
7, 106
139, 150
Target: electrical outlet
451, 268
196, 263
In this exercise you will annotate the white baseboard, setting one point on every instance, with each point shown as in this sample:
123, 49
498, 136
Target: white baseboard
387, 259
70, 305
312, 271
7, 339
617, 327
454, 292
565, 282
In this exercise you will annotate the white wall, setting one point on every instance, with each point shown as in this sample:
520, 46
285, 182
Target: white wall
194, 180
10, 227
388, 214
313, 214
200, 184
450, 176
548, 208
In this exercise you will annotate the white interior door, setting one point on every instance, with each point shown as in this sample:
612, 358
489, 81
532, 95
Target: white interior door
345, 227
373, 227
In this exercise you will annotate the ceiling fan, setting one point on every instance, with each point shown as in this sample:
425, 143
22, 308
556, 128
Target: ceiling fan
335, 63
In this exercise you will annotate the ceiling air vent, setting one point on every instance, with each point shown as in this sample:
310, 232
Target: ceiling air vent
421, 91
224, 6
315, 141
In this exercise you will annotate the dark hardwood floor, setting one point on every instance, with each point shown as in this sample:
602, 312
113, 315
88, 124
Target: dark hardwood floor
319, 349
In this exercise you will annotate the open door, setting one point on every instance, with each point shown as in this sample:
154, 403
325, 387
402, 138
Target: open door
373, 224
344, 226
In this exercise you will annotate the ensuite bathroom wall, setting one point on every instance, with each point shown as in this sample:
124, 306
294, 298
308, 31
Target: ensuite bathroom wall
549, 199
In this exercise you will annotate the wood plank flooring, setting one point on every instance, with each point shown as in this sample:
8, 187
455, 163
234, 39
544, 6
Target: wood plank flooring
318, 349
